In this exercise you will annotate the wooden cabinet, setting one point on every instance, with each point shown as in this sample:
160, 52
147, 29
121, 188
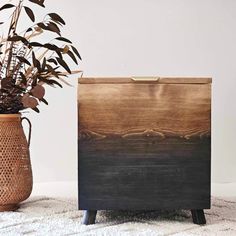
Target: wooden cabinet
144, 144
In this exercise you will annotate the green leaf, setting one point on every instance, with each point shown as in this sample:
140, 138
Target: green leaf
63, 39
76, 52
6, 6
63, 64
23, 60
38, 2
57, 18
30, 13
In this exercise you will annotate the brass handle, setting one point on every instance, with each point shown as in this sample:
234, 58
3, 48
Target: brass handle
30, 128
145, 79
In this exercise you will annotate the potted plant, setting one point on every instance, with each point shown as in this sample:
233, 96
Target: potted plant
26, 65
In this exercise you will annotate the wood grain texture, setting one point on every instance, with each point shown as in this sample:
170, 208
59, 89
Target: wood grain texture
144, 146
161, 80
115, 174
119, 109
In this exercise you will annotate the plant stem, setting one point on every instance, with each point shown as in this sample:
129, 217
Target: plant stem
14, 22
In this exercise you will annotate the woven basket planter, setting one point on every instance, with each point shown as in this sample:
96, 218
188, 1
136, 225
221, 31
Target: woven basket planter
15, 167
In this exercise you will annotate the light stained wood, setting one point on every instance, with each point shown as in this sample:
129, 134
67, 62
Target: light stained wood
181, 110
161, 80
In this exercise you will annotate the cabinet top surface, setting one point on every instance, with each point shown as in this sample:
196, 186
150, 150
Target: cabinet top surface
145, 79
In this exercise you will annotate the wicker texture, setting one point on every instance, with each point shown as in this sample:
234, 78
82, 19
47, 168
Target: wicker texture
15, 167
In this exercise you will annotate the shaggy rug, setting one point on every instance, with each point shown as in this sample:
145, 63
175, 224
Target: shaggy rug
52, 216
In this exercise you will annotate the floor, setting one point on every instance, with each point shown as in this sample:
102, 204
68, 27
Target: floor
52, 210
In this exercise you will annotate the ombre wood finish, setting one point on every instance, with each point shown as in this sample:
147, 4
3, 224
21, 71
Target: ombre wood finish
144, 145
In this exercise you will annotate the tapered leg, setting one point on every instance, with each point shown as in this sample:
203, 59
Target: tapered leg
89, 217
198, 217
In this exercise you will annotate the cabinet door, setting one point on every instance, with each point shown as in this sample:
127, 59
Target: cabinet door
144, 146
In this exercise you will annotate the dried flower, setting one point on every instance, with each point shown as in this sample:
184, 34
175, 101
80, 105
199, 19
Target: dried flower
25, 65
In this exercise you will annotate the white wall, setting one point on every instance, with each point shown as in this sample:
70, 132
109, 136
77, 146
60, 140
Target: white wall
142, 37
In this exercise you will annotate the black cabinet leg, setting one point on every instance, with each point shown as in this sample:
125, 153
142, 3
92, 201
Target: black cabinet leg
198, 217
89, 217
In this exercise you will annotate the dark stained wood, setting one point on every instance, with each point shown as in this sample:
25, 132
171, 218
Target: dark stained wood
198, 217
150, 174
144, 145
89, 217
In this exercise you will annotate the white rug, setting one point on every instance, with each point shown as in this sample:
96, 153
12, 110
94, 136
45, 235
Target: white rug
53, 216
